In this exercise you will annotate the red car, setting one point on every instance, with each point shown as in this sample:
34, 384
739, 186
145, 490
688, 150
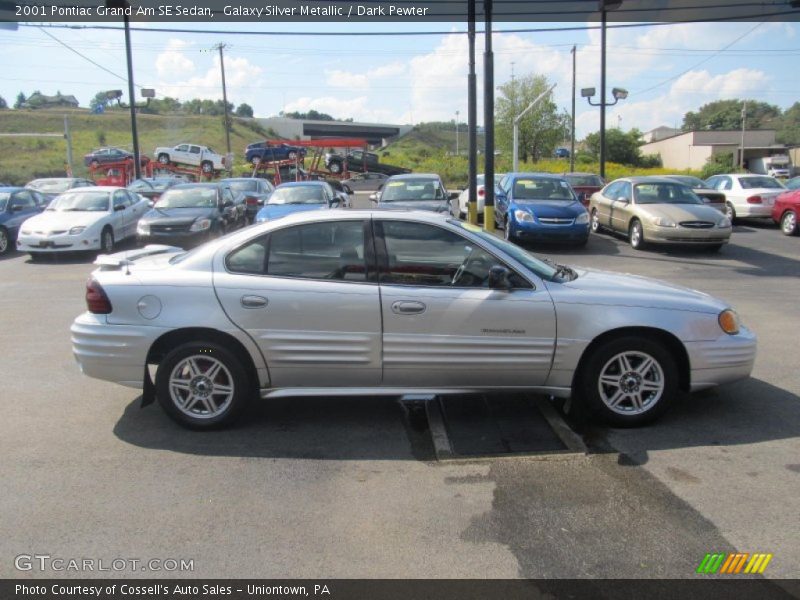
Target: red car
584, 184
786, 210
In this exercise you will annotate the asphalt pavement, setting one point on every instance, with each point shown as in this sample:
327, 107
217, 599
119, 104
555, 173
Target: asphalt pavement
323, 487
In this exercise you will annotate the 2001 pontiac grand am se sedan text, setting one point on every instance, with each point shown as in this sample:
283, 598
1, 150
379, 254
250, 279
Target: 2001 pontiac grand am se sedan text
390, 302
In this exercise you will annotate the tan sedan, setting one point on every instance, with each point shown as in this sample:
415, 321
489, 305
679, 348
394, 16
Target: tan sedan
657, 210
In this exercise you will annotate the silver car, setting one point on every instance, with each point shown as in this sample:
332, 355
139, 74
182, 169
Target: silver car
394, 302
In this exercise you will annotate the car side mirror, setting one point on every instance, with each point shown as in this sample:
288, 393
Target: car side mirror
623, 199
334, 203
373, 198
499, 278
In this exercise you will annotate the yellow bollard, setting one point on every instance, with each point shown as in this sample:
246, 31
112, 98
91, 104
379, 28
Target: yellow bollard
488, 218
472, 213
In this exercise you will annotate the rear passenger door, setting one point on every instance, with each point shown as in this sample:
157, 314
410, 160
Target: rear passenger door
307, 295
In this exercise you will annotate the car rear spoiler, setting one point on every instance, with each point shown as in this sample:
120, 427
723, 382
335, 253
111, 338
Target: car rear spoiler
113, 262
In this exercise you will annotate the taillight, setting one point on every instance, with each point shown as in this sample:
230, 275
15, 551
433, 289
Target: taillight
96, 300
754, 200
481, 192
251, 201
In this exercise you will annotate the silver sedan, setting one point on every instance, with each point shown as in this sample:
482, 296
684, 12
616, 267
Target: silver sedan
385, 302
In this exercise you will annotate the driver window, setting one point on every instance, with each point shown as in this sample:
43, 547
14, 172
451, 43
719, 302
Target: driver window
425, 255
624, 191
120, 199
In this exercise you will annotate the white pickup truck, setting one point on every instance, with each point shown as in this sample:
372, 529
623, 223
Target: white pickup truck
192, 155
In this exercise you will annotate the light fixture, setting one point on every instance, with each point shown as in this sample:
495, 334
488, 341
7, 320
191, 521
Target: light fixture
587, 92
619, 93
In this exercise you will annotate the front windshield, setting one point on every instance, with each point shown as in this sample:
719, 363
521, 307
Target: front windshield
50, 186
195, 197
664, 193
242, 186
751, 183
542, 188
408, 190
305, 194
80, 202
584, 180
527, 259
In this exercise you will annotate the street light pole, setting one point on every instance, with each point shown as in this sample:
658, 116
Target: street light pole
605, 6
222, 47
572, 127
456, 133
472, 120
488, 119
518, 118
744, 123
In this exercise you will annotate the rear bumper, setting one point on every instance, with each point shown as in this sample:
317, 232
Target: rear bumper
115, 353
726, 359
753, 210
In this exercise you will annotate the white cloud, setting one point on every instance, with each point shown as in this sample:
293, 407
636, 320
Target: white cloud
173, 63
357, 108
347, 79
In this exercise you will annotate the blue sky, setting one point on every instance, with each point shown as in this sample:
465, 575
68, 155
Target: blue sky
417, 78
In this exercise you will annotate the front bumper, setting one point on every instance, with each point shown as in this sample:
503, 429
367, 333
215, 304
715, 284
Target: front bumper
726, 359
686, 235
551, 233
58, 243
115, 353
182, 239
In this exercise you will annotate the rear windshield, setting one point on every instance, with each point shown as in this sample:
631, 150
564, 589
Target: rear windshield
584, 180
404, 190
751, 183
50, 186
305, 194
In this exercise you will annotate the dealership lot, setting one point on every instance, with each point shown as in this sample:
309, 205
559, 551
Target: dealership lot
316, 487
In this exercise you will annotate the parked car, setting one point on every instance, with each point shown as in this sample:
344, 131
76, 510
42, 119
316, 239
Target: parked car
50, 187
658, 210
151, 188
417, 191
105, 155
359, 161
87, 218
747, 195
463, 197
786, 210
254, 191
561, 153
540, 207
366, 182
711, 197
298, 196
16, 205
266, 151
379, 301
342, 191
190, 214
191, 155
584, 185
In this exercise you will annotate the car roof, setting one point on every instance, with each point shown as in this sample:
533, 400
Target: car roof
302, 183
582, 173
648, 179
11, 188
415, 176
536, 174
185, 186
96, 188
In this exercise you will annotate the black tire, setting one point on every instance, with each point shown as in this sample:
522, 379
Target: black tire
292, 155
36, 256
604, 359
5, 240
206, 167
789, 223
508, 233
94, 164
636, 235
255, 161
163, 159
335, 167
595, 222
107, 241
730, 212
206, 355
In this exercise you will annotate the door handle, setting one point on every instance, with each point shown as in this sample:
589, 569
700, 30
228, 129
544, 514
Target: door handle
408, 308
254, 301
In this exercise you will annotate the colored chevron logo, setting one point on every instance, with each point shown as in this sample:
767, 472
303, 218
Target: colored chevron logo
735, 563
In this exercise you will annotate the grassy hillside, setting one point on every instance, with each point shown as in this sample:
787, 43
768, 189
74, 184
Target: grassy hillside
23, 159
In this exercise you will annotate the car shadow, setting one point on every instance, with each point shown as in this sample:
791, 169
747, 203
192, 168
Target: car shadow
320, 428
748, 412
85, 257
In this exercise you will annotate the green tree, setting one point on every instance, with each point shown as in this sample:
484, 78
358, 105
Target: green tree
540, 130
162, 106
727, 114
717, 164
100, 99
789, 127
244, 110
3, 103
20, 100
621, 147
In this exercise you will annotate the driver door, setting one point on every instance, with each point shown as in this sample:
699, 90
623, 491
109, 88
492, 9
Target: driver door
621, 205
443, 334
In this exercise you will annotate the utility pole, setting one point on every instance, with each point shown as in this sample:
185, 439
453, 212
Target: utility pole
137, 167
68, 138
472, 119
488, 119
603, 97
744, 123
572, 124
221, 47
456, 133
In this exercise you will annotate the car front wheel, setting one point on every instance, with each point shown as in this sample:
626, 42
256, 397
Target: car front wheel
636, 235
163, 159
789, 223
595, 222
730, 212
629, 381
202, 385
4, 240
107, 241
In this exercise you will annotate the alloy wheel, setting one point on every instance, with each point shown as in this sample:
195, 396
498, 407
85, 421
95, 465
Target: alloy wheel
3, 241
631, 383
789, 223
201, 387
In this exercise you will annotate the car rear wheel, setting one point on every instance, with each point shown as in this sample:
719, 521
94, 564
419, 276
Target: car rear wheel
636, 235
292, 155
788, 223
335, 167
255, 161
163, 159
629, 381
207, 167
202, 385
4, 240
595, 222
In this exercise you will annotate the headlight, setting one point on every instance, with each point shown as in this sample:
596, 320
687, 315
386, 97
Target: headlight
663, 222
729, 321
263, 219
25, 231
200, 225
582, 219
77, 230
143, 228
724, 223
523, 216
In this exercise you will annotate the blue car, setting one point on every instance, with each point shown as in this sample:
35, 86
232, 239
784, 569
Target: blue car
300, 196
16, 206
540, 207
266, 151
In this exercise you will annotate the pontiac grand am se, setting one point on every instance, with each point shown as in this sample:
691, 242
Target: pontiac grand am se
366, 302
